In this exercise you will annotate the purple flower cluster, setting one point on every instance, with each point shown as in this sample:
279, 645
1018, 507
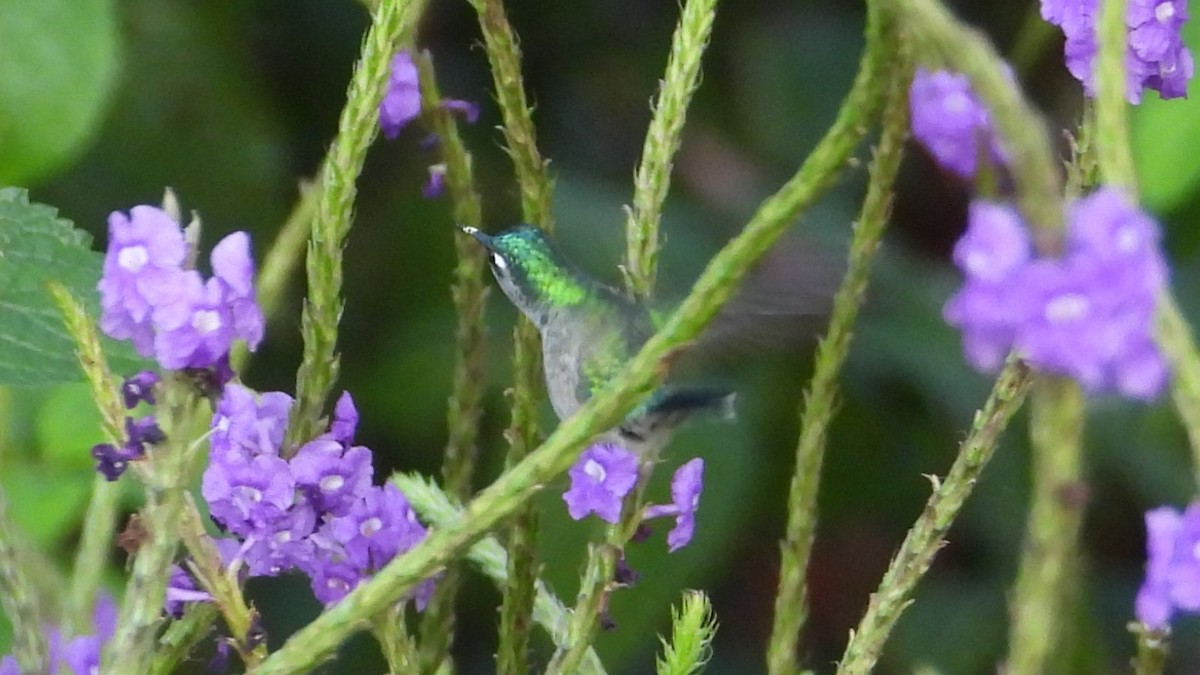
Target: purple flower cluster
1173, 566
170, 312
317, 512
79, 655
1155, 55
606, 473
1087, 314
401, 104
951, 123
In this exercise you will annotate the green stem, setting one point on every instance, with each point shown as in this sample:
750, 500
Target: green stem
439, 510
517, 486
1030, 152
516, 608
791, 600
18, 597
928, 534
1049, 559
1112, 114
469, 292
222, 584
653, 177
398, 647
392, 23
182, 636
1179, 346
520, 138
131, 649
100, 522
523, 434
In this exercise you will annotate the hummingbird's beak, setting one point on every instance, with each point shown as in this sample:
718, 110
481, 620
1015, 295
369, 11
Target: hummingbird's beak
476, 234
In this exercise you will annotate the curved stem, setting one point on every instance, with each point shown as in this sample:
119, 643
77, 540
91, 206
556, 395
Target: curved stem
791, 599
1048, 564
927, 535
392, 23
653, 177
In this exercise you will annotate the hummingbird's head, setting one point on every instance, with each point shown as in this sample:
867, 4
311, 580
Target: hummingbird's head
530, 270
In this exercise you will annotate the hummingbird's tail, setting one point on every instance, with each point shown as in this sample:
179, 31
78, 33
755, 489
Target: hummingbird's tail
671, 406
670, 401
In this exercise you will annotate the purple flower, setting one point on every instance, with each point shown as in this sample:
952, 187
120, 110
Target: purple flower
333, 477
604, 474
286, 546
112, 461
1155, 55
992, 250
181, 589
332, 580
1088, 314
146, 251
197, 329
246, 425
233, 268
686, 485
1172, 565
401, 103
379, 526
170, 312
950, 121
138, 388
143, 430
248, 496
345, 419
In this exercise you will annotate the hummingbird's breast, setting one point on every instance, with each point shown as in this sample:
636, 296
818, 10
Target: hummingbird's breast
583, 349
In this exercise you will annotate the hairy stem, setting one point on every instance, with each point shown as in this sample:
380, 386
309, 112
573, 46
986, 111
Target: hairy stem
927, 535
439, 509
523, 434
653, 177
1113, 152
100, 522
166, 479
1048, 564
392, 23
791, 600
465, 406
18, 597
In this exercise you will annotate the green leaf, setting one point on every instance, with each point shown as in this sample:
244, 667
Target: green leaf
1168, 166
68, 423
60, 61
36, 246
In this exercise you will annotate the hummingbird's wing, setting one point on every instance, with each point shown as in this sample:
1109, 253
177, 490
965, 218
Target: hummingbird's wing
781, 305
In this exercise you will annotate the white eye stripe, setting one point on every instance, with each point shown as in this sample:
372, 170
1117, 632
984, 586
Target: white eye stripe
499, 261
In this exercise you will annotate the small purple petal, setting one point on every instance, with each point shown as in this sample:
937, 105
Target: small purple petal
600, 480
345, 419
401, 103
139, 388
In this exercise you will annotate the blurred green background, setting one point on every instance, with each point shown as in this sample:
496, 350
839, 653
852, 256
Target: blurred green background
103, 103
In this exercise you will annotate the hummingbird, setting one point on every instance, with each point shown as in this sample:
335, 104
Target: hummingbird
589, 331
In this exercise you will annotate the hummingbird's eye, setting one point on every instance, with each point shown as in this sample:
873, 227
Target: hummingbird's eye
499, 262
